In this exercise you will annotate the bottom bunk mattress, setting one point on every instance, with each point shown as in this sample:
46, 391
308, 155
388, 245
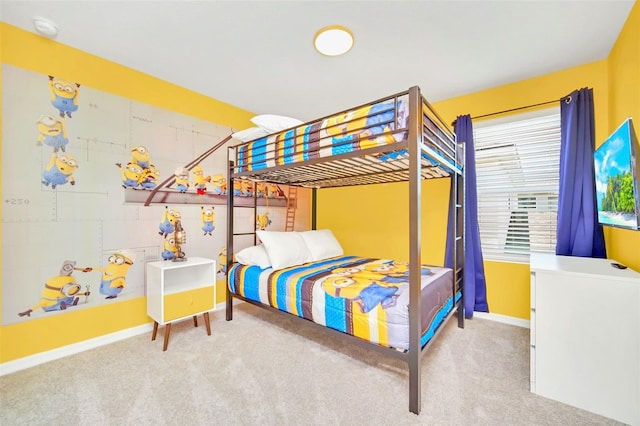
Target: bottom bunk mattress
364, 297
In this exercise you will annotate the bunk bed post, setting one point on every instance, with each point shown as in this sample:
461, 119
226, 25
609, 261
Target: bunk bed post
229, 298
415, 261
314, 201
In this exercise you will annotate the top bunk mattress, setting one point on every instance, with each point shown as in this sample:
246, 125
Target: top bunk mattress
378, 131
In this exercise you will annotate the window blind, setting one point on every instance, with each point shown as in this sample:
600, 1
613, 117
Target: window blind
517, 166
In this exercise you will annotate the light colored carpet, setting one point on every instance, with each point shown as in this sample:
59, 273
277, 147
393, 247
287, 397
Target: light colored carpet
264, 369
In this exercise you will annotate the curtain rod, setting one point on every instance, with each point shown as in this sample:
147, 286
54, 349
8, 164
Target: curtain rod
565, 98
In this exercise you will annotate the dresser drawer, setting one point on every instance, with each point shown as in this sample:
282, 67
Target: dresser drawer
187, 303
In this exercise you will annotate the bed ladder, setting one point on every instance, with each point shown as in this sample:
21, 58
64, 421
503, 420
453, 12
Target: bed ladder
290, 219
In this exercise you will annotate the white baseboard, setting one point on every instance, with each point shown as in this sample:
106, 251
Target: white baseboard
43, 357
519, 322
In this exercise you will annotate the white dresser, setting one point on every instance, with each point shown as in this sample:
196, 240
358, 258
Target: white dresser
585, 334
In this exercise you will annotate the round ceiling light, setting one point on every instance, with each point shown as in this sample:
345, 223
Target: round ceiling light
45, 27
333, 40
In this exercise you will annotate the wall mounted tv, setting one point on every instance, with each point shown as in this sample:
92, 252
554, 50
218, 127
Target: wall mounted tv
617, 173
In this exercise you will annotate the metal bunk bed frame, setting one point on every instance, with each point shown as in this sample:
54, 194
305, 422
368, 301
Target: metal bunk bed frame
334, 171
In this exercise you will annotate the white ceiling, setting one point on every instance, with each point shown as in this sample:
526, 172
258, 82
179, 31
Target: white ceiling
259, 56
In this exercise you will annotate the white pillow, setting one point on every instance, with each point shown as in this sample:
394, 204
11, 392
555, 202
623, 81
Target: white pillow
250, 134
285, 248
322, 244
254, 255
274, 123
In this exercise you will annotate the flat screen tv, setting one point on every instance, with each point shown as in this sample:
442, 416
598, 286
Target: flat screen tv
617, 173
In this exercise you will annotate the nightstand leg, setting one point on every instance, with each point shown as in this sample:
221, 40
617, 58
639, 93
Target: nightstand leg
155, 331
167, 331
207, 323
195, 321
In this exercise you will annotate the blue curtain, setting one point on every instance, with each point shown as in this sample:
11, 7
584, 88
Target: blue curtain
578, 231
475, 286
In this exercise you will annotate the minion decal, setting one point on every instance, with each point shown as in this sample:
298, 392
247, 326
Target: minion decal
64, 95
200, 180
150, 177
60, 291
132, 175
113, 275
60, 170
247, 187
169, 248
243, 187
52, 132
169, 219
237, 187
274, 190
222, 261
182, 179
262, 221
140, 156
208, 217
218, 184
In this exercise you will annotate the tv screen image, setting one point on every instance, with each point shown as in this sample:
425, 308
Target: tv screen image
616, 174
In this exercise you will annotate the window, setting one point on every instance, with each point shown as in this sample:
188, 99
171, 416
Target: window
518, 175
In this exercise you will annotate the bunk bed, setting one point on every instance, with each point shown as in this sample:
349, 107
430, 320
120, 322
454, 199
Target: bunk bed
396, 138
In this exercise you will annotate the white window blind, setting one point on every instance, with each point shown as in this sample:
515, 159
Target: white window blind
517, 166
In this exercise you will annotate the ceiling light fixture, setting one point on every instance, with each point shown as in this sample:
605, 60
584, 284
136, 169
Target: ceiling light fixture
333, 40
45, 27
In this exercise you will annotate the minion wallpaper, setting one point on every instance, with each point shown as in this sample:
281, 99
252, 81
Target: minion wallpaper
93, 185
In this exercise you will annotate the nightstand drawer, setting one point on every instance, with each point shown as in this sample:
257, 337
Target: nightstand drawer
187, 303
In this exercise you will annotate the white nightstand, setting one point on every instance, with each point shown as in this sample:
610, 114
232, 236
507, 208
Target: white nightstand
179, 290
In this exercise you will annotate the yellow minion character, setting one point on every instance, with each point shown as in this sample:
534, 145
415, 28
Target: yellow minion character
273, 190
219, 184
394, 272
222, 261
113, 275
169, 248
200, 180
60, 291
169, 219
182, 179
52, 132
132, 175
60, 170
366, 293
150, 177
261, 189
140, 156
208, 217
247, 187
359, 129
262, 221
64, 95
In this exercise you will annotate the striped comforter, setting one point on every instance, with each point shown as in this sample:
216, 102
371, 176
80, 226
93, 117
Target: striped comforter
365, 127
364, 297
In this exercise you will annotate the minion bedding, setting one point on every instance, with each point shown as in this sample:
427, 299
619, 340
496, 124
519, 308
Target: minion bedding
369, 126
364, 297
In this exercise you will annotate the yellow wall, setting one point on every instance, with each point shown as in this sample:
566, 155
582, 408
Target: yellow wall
381, 226
624, 101
35, 53
616, 86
